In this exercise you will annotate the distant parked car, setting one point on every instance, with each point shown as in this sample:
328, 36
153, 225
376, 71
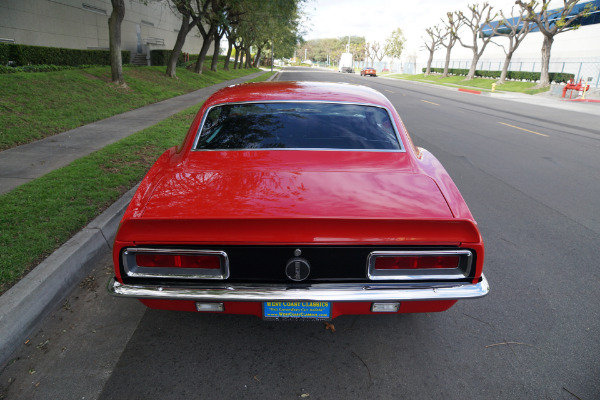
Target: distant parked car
368, 71
298, 200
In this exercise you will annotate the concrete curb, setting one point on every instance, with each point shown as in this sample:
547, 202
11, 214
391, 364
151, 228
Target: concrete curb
469, 91
39, 292
576, 106
274, 76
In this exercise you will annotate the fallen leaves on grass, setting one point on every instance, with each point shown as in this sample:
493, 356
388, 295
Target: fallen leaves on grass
89, 283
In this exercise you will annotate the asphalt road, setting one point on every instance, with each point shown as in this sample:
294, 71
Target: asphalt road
531, 176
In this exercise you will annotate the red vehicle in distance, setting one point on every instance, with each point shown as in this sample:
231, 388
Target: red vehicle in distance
368, 71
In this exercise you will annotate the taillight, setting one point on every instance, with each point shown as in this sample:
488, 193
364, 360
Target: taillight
419, 265
416, 262
177, 261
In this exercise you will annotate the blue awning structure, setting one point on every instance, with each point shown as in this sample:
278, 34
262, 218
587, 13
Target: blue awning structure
553, 16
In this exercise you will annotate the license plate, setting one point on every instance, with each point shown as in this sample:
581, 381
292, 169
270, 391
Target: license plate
307, 310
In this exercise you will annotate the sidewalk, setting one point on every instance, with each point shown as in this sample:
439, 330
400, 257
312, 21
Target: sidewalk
30, 161
543, 99
28, 302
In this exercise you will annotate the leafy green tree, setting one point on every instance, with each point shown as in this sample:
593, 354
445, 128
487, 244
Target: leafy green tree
394, 44
190, 17
320, 50
261, 25
210, 12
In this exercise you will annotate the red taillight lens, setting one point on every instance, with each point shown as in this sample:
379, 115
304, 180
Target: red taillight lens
416, 262
177, 261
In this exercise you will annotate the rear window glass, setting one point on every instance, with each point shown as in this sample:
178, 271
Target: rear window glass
297, 126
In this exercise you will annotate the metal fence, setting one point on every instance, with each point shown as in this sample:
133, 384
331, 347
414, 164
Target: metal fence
396, 67
588, 70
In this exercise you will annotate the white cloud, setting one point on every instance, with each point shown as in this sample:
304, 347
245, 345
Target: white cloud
377, 19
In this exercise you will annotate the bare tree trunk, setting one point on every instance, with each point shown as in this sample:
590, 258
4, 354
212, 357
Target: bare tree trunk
257, 57
429, 60
505, 67
172, 63
447, 63
207, 40
185, 28
238, 57
546, 48
216, 51
473, 68
229, 50
114, 33
248, 63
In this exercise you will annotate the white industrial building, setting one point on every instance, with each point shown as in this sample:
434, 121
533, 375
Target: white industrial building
574, 51
83, 24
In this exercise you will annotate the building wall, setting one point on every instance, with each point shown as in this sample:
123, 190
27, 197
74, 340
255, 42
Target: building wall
576, 44
83, 24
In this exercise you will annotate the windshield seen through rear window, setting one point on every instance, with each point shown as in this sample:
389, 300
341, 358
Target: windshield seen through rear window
287, 125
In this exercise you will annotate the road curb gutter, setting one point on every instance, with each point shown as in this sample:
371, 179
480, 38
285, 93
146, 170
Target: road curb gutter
39, 293
469, 91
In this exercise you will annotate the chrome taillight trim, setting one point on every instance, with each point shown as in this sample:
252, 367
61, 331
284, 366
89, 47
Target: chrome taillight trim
463, 270
135, 271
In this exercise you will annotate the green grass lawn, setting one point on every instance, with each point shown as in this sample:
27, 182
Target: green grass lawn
37, 105
478, 83
40, 216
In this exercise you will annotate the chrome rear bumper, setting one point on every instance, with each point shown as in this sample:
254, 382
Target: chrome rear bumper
320, 292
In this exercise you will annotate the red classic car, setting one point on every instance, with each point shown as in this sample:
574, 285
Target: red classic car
368, 71
298, 200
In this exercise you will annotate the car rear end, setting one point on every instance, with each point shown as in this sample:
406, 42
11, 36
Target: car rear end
324, 238
349, 277
298, 201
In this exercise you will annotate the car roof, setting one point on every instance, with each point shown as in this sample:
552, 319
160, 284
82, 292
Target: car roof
299, 91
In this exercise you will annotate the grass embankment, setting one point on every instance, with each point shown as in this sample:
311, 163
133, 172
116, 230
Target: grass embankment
483, 84
37, 105
40, 216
